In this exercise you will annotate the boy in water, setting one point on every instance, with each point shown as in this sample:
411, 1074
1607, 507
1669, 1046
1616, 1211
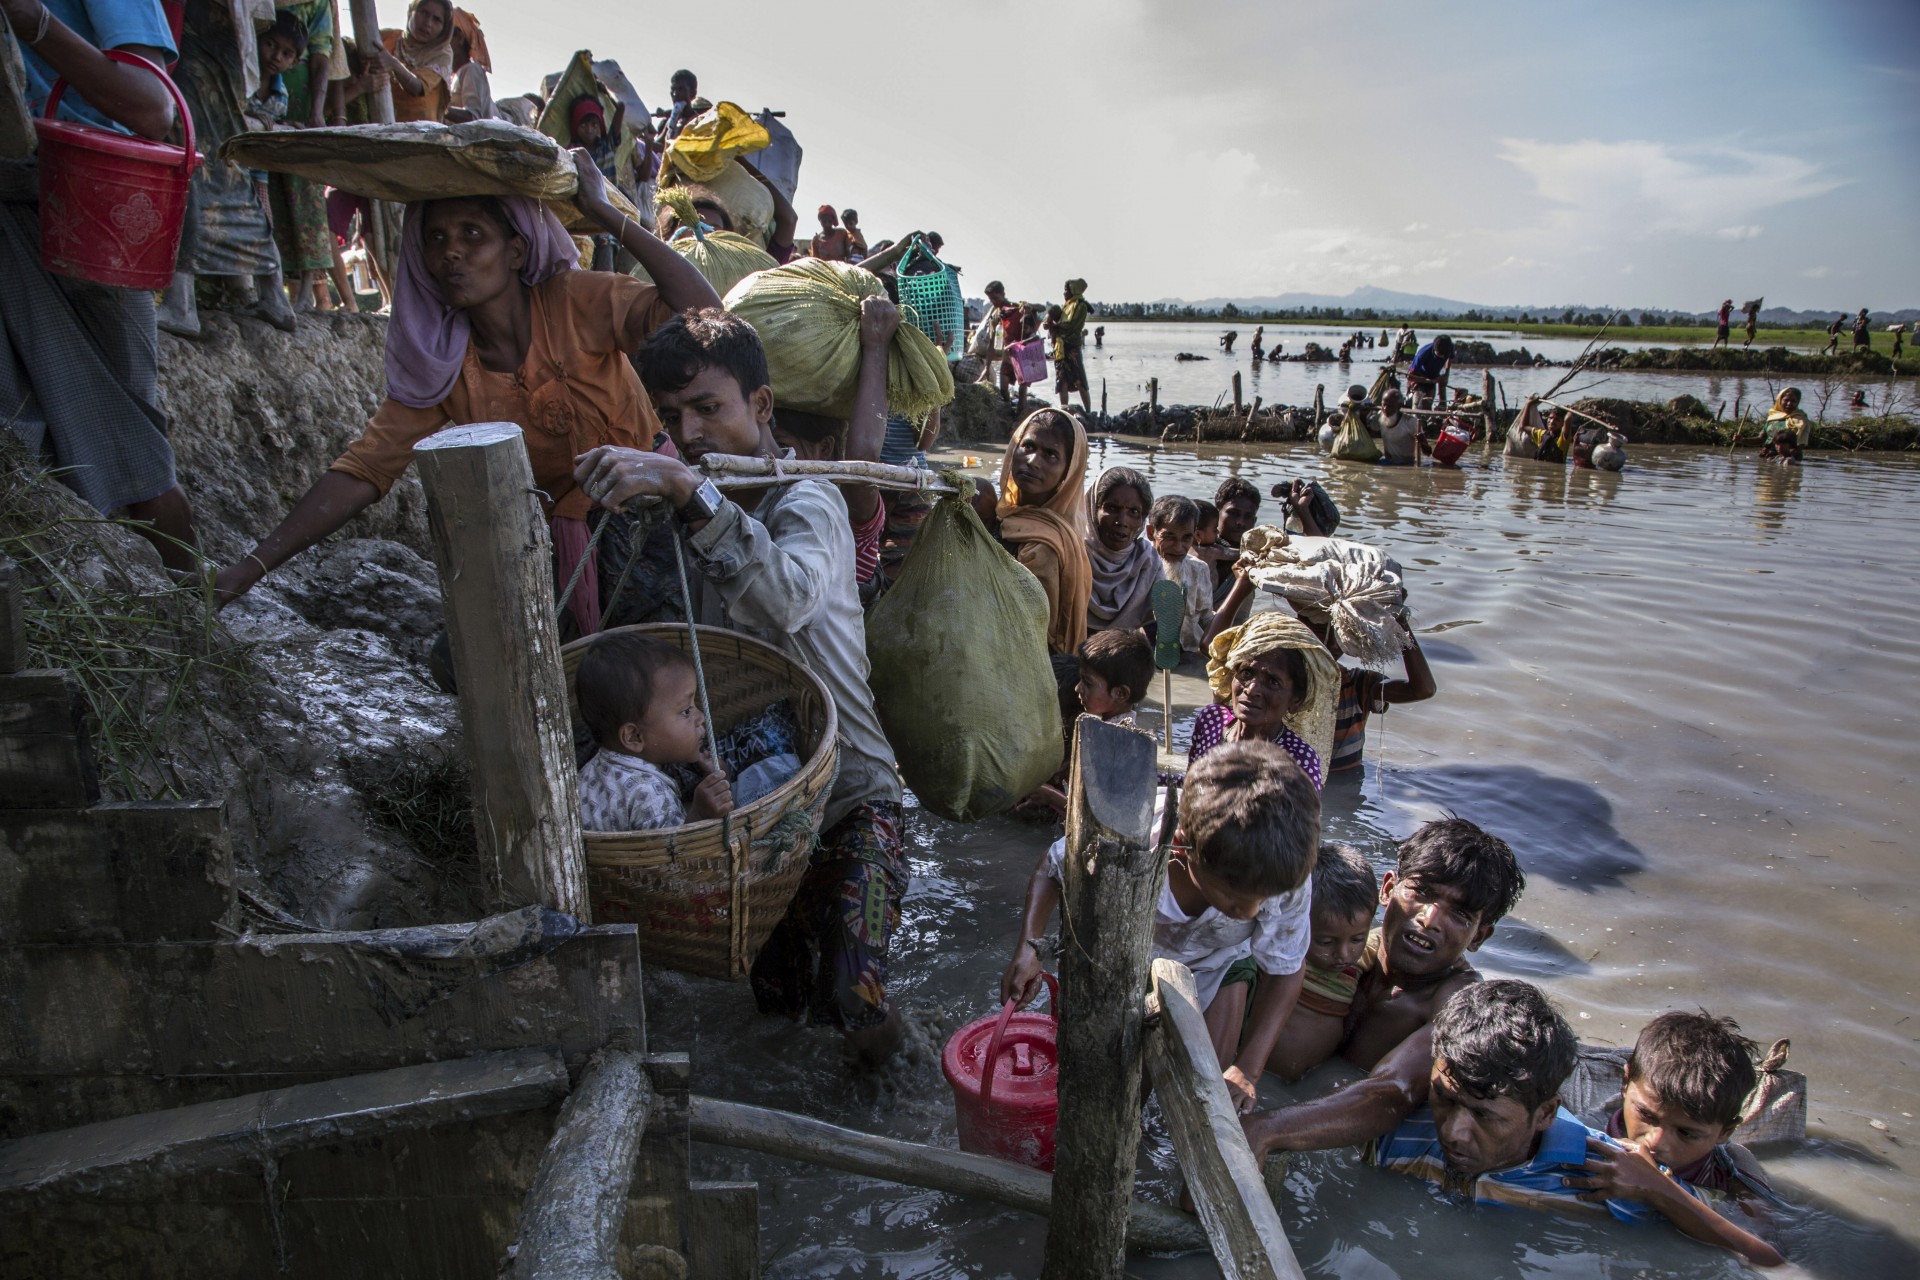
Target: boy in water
1171, 526
1239, 504
1686, 1081
778, 564
1452, 884
1344, 900
1234, 905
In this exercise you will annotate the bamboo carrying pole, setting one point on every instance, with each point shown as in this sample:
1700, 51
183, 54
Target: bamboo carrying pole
1153, 1228
570, 1223
495, 559
1242, 1225
740, 471
1598, 422
1113, 872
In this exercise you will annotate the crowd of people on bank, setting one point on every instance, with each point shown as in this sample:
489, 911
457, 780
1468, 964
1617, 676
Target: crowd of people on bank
624, 385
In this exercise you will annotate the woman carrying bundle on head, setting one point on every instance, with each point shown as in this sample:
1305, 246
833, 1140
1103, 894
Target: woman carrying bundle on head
1039, 513
493, 323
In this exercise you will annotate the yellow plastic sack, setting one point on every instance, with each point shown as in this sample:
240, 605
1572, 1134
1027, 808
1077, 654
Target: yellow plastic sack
711, 140
807, 314
960, 673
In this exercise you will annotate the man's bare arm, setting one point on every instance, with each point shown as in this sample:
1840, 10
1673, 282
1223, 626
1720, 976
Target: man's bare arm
1357, 1113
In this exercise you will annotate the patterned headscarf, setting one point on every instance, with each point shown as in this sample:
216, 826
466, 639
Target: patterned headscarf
1265, 633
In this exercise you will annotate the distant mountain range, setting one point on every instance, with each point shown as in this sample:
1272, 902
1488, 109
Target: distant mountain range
1392, 302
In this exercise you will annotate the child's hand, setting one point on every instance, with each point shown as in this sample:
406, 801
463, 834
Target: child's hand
713, 798
879, 319
1244, 1092
1623, 1173
1021, 981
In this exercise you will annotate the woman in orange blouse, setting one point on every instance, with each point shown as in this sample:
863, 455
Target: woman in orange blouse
492, 322
420, 60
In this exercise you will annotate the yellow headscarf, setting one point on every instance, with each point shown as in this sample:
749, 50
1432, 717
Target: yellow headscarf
1782, 410
1060, 524
1265, 633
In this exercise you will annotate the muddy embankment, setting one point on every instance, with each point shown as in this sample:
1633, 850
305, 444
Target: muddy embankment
306, 706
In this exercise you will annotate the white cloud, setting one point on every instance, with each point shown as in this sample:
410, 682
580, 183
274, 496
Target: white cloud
1664, 187
1412, 227
1739, 233
1817, 273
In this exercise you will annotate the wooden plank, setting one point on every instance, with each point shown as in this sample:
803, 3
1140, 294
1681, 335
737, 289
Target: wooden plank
1153, 1228
1113, 874
240, 1132
659, 1190
87, 1033
13, 620
495, 559
46, 757
577, 1204
1242, 1224
723, 1231
131, 872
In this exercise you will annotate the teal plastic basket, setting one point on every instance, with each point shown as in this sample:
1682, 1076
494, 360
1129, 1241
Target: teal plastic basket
930, 299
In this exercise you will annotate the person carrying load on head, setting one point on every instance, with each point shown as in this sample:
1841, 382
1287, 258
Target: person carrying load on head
420, 60
493, 322
79, 373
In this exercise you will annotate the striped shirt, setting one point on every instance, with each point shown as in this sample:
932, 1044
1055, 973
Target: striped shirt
1360, 696
1541, 1183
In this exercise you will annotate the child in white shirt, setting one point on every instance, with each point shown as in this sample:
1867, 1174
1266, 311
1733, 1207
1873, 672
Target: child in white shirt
638, 698
1172, 525
1237, 890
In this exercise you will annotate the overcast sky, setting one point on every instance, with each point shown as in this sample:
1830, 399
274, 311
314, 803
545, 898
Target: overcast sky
1662, 154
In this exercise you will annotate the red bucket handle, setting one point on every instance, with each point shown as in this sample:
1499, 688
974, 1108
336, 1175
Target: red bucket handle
188, 158
1000, 1030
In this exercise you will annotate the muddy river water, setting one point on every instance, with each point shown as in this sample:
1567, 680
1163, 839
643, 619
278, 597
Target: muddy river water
1684, 693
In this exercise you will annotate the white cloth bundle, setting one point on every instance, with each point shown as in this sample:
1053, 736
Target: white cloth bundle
1356, 587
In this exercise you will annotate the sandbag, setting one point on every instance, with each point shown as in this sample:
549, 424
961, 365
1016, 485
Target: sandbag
960, 670
807, 314
749, 205
724, 258
706, 148
1353, 442
419, 160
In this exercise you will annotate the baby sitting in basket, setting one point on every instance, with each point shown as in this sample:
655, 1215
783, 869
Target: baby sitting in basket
639, 698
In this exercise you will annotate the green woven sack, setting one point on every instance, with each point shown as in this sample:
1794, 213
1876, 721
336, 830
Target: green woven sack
960, 672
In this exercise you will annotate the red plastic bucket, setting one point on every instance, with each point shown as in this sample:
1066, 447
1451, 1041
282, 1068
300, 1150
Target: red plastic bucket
112, 206
1003, 1072
1453, 442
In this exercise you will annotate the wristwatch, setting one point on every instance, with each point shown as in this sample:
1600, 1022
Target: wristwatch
704, 505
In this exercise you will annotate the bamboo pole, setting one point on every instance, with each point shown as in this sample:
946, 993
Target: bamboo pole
1113, 872
1241, 1223
1151, 1227
1319, 404
495, 559
1488, 411
383, 235
1598, 422
739, 471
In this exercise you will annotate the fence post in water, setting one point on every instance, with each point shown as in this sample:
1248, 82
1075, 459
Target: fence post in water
1106, 928
1103, 400
495, 559
1153, 402
1488, 412
1237, 402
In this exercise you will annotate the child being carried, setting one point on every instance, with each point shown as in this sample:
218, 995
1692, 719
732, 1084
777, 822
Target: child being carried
639, 698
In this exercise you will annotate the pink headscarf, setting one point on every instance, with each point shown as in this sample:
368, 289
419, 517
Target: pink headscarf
426, 338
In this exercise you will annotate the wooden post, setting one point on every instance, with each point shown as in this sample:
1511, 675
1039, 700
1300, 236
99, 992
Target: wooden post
1319, 404
1153, 400
1487, 411
491, 546
13, 620
1103, 399
570, 1225
1152, 1228
1113, 871
1238, 403
1241, 1222
1247, 426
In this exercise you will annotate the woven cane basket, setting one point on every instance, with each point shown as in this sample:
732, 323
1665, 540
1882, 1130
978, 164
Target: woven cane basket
706, 895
